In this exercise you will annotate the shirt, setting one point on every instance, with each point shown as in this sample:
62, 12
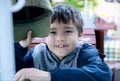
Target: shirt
82, 64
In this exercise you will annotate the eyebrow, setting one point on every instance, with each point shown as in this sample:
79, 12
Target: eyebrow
52, 28
67, 27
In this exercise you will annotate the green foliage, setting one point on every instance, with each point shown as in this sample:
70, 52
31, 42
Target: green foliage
79, 4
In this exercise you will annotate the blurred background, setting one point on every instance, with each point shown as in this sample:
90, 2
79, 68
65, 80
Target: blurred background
102, 14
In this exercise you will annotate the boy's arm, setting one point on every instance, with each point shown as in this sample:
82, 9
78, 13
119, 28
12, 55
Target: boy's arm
21, 49
20, 52
32, 74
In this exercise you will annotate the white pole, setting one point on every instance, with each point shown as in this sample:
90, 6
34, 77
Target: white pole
7, 60
7, 65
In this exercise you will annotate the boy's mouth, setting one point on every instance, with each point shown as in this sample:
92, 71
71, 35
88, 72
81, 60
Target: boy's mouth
61, 46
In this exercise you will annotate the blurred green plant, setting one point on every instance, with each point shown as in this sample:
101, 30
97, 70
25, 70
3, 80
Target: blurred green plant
79, 4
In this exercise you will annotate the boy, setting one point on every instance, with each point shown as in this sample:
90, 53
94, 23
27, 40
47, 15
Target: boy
63, 57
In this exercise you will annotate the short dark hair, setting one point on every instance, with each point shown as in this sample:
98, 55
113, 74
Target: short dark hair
65, 13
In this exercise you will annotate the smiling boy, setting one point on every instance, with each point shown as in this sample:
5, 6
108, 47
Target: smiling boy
63, 57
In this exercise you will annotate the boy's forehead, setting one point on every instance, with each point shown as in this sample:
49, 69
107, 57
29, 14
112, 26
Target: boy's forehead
57, 24
65, 27
64, 21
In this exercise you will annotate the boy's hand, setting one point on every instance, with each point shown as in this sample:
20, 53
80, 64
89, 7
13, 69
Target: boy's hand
27, 41
32, 74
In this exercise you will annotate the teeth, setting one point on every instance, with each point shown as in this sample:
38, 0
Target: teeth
61, 46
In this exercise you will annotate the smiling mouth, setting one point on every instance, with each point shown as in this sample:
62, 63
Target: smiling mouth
61, 46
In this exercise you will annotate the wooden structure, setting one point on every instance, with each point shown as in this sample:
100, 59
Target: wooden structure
96, 38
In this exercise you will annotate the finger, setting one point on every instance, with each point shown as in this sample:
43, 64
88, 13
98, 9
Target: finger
21, 78
17, 76
29, 36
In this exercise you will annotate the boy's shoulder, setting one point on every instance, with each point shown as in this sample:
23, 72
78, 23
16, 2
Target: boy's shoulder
39, 49
40, 46
88, 49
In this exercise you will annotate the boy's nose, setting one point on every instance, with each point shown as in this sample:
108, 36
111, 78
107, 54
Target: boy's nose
60, 38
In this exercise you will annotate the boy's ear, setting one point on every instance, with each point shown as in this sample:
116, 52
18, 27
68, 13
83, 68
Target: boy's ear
81, 34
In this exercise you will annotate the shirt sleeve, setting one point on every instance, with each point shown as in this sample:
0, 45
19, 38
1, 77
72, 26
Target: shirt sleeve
22, 58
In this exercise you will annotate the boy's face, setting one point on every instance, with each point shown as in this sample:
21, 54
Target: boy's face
63, 38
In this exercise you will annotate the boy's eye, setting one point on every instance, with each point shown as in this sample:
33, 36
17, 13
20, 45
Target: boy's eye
52, 32
68, 31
